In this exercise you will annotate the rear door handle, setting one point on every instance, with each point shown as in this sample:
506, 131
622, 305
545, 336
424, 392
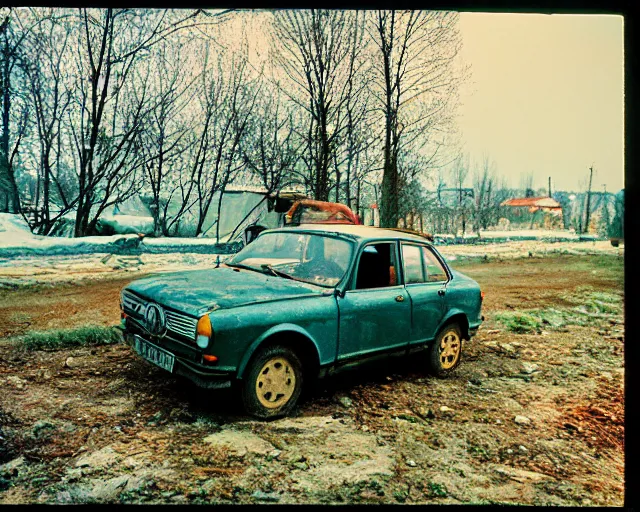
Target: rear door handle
441, 292
399, 298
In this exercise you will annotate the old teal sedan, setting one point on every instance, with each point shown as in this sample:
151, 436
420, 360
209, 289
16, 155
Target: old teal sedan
301, 303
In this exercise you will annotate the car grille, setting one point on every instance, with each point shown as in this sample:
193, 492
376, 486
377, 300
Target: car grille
176, 322
181, 324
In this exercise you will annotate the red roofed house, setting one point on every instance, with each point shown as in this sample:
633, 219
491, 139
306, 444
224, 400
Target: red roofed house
543, 212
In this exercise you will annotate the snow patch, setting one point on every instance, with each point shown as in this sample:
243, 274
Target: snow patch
128, 224
13, 226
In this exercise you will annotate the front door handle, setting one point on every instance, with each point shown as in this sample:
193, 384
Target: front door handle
441, 292
400, 298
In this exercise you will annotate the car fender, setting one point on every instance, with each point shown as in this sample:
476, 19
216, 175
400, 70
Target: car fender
450, 314
276, 329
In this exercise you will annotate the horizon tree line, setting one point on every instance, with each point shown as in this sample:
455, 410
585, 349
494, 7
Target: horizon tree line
101, 105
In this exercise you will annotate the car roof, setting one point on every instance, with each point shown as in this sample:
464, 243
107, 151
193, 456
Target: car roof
358, 232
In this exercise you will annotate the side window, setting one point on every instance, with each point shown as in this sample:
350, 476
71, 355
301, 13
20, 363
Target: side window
413, 270
377, 266
435, 271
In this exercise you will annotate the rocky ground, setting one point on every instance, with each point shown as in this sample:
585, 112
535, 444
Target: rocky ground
533, 417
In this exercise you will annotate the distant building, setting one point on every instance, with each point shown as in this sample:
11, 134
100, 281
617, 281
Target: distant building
533, 204
536, 212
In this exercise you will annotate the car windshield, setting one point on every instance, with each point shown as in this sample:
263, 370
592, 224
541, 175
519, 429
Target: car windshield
312, 258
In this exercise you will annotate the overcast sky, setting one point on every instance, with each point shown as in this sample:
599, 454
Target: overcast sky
547, 96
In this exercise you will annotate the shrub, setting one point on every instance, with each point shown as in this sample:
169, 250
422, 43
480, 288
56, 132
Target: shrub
519, 322
437, 490
57, 339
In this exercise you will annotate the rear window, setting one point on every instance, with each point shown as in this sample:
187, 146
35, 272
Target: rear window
433, 268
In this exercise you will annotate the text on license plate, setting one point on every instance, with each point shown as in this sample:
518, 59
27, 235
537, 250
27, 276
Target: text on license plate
154, 354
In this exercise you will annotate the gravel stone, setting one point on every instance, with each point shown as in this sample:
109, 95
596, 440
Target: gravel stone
522, 420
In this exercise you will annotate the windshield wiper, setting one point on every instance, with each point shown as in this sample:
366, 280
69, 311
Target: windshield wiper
240, 265
277, 273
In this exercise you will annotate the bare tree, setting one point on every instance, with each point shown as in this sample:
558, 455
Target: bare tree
113, 102
271, 149
49, 42
459, 173
526, 184
588, 207
317, 50
502, 193
13, 120
226, 101
484, 183
417, 86
617, 224
165, 137
357, 137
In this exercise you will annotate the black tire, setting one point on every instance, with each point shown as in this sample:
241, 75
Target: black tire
441, 365
274, 402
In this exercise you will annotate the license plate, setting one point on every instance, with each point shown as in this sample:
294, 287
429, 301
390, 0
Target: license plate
155, 355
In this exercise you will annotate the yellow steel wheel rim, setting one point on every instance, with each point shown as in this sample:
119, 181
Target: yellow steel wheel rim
450, 346
275, 383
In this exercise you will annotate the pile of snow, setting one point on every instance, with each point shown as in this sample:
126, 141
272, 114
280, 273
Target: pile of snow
13, 227
127, 224
530, 233
114, 244
512, 235
17, 240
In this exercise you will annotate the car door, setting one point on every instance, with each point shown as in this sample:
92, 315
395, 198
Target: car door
375, 313
425, 280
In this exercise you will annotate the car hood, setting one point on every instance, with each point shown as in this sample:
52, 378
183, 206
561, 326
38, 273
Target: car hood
199, 291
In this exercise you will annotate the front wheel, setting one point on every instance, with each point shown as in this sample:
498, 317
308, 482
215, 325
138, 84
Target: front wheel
445, 351
272, 385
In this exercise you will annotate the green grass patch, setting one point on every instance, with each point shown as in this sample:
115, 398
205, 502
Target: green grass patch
519, 322
595, 302
57, 339
603, 302
552, 318
437, 490
591, 308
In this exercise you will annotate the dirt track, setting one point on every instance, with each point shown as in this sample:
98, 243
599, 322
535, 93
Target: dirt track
106, 426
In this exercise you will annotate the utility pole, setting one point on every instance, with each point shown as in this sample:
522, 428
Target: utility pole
586, 224
606, 220
549, 186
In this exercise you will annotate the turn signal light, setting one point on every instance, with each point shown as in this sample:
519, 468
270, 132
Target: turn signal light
209, 358
204, 327
482, 295
203, 332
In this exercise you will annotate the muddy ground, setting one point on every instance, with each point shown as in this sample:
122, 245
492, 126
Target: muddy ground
534, 418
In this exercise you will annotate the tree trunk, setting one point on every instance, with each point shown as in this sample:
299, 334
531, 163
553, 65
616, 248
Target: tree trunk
8, 182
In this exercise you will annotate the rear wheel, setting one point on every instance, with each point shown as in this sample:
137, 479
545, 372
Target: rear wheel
446, 350
273, 382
